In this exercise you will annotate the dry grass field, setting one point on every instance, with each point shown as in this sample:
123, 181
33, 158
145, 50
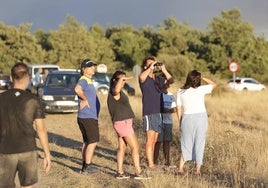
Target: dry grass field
236, 152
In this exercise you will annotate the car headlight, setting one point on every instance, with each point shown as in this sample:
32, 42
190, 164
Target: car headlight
47, 97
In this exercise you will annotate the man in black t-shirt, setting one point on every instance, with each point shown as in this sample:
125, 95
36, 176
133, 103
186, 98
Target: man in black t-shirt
19, 110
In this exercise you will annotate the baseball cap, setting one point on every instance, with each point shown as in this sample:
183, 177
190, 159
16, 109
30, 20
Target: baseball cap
87, 63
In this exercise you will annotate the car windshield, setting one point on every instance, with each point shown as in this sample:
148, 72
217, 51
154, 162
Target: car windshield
62, 80
101, 77
251, 81
236, 80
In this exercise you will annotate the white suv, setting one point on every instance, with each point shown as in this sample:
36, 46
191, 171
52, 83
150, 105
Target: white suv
34, 68
244, 84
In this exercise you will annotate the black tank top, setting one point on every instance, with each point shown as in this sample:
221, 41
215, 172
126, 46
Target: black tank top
119, 109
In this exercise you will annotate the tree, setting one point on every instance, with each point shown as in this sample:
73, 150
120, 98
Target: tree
229, 38
129, 45
73, 42
173, 46
18, 44
172, 40
102, 50
70, 44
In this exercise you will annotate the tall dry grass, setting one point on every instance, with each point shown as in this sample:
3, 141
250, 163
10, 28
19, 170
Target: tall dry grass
236, 153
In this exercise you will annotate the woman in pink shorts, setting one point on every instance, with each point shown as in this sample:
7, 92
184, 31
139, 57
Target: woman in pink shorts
122, 117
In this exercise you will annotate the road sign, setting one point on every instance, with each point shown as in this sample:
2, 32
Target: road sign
102, 68
233, 66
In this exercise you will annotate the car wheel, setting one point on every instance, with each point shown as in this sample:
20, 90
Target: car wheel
103, 90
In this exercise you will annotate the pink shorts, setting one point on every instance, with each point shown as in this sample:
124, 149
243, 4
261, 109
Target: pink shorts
124, 128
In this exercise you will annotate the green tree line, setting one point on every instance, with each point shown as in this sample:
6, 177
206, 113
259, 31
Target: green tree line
227, 38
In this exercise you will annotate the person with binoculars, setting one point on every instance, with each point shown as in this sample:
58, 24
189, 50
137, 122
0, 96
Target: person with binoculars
151, 85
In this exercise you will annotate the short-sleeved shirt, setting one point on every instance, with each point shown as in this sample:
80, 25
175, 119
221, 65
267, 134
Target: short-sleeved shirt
94, 104
192, 99
36, 79
151, 95
119, 109
169, 102
18, 111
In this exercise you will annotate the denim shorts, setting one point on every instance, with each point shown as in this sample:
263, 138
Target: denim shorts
23, 163
152, 122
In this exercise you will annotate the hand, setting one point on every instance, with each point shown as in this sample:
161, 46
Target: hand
83, 104
47, 164
152, 67
124, 78
128, 78
163, 67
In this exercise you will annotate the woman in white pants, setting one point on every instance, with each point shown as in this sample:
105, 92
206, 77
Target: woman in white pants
193, 118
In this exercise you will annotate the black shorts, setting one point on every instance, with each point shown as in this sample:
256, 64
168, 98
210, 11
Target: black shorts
89, 129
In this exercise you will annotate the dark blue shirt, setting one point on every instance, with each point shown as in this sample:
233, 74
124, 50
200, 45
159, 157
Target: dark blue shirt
151, 95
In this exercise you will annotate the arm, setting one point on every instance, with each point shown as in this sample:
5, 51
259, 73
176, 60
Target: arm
80, 93
179, 114
167, 74
146, 72
209, 82
170, 110
42, 134
117, 88
119, 85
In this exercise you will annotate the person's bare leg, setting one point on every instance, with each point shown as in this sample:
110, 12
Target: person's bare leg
84, 152
166, 150
156, 151
120, 154
30, 186
180, 170
134, 146
198, 169
150, 143
89, 152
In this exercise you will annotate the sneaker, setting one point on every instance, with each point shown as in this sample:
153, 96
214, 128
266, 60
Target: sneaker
142, 176
89, 169
122, 176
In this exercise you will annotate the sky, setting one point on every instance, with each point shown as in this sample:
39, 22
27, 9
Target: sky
49, 14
